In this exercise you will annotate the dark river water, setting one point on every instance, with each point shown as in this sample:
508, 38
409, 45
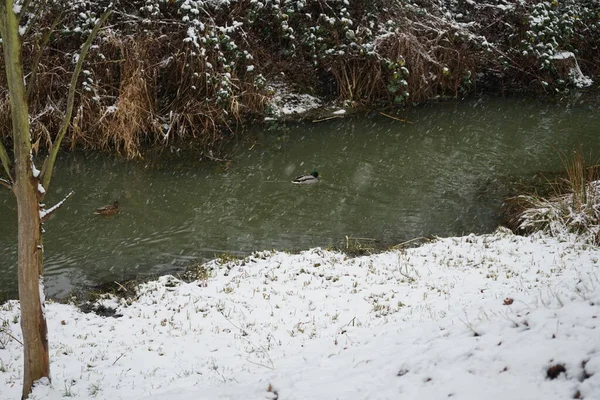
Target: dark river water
444, 173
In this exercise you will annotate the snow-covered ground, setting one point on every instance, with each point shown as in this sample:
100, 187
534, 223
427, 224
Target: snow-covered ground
496, 316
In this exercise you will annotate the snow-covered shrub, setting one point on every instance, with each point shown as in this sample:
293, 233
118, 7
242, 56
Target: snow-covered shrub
553, 30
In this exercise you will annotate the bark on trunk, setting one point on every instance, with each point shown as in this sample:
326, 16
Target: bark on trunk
33, 322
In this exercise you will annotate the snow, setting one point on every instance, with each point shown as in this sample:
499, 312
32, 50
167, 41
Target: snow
577, 77
192, 36
44, 212
285, 102
563, 55
42, 294
36, 172
461, 317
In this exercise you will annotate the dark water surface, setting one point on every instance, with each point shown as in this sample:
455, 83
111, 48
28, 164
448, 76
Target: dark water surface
444, 174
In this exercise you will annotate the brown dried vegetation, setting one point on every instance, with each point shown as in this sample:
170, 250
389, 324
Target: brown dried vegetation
555, 370
145, 85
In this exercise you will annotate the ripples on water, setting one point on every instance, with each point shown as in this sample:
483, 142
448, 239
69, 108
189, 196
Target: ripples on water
444, 174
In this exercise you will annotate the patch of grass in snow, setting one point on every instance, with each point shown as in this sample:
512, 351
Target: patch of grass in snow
202, 271
226, 258
228, 289
104, 298
3, 367
69, 388
94, 389
124, 289
197, 272
358, 246
6, 333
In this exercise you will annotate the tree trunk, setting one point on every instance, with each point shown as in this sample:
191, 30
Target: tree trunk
33, 320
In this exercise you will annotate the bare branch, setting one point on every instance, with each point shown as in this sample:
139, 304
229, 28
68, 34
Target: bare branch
136, 19
6, 163
5, 183
47, 172
45, 214
38, 56
10, 335
37, 13
24, 7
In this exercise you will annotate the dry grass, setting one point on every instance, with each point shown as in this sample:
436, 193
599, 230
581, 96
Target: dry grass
146, 86
358, 80
580, 178
134, 116
573, 208
139, 89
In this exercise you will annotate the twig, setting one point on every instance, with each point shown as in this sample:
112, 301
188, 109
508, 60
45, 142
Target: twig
395, 118
244, 333
47, 172
215, 368
121, 286
469, 325
213, 158
352, 321
118, 358
38, 56
158, 22
5, 160
360, 238
6, 183
12, 337
356, 240
326, 118
24, 7
45, 214
260, 365
409, 241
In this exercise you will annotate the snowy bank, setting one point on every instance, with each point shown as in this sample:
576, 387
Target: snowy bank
500, 316
285, 103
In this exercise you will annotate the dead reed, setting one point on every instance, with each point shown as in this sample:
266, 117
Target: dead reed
574, 206
147, 82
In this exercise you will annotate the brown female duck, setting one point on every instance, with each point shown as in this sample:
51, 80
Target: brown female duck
108, 210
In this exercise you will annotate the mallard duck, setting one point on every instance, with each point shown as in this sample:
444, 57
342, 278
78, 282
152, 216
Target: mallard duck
307, 179
108, 210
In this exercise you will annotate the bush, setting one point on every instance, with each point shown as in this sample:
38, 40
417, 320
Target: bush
168, 71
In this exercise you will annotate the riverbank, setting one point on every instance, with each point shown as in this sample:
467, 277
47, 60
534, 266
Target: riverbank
164, 74
499, 315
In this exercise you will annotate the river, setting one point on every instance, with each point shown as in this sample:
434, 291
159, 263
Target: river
443, 171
